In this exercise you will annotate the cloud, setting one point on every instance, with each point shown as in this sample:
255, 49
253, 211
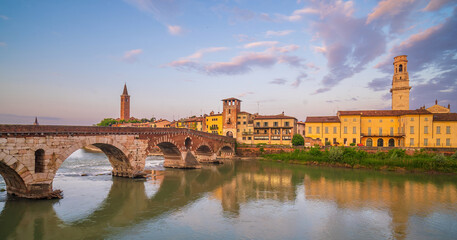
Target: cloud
243, 63
4, 17
379, 84
131, 56
175, 30
271, 33
3, 44
434, 5
278, 81
245, 94
348, 43
243, 38
236, 14
260, 44
389, 8
297, 15
199, 54
299, 80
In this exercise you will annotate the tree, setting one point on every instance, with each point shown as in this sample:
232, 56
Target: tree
107, 122
298, 140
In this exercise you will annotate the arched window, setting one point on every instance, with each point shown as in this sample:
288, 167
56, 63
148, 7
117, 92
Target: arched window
39, 161
369, 142
380, 142
400, 68
391, 142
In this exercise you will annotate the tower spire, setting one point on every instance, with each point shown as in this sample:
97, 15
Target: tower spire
400, 84
36, 121
125, 90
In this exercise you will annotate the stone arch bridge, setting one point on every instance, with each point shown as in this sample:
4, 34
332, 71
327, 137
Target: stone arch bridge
31, 155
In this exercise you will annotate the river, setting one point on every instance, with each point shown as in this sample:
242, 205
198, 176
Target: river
235, 200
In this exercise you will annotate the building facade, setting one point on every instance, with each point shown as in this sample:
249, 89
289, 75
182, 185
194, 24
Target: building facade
231, 108
214, 123
400, 84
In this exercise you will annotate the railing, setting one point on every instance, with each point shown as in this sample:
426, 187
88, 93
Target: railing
382, 135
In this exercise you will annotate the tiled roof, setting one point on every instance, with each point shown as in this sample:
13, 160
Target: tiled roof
322, 119
280, 116
384, 112
231, 99
445, 117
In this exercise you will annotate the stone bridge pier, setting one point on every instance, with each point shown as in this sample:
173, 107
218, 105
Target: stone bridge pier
31, 155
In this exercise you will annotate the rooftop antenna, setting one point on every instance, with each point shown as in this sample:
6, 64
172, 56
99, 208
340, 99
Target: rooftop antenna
258, 108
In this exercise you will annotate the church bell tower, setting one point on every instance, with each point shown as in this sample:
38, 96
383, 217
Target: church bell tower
400, 84
125, 104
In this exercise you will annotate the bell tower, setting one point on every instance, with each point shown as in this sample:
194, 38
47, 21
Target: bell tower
125, 104
400, 84
230, 109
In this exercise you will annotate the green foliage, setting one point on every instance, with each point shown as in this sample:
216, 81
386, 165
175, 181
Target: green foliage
349, 153
440, 158
396, 153
262, 150
454, 156
327, 143
298, 140
352, 144
335, 154
107, 122
315, 151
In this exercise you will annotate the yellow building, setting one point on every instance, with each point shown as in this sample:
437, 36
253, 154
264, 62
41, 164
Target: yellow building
245, 128
274, 129
214, 123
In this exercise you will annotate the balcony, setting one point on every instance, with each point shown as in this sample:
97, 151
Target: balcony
382, 135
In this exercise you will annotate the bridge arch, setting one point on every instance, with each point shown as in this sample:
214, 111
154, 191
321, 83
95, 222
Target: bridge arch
226, 151
117, 154
10, 169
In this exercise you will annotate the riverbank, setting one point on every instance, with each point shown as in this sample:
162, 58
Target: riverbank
394, 160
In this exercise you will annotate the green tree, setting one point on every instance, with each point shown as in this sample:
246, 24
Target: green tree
107, 122
298, 140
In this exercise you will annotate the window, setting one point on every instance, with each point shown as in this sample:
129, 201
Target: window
411, 142
326, 140
448, 142
380, 131
345, 130
438, 142
334, 140
425, 129
230, 111
238, 130
425, 141
369, 120
411, 129
257, 124
265, 131
286, 124
326, 130
391, 120
354, 120
345, 141
334, 130
448, 129
244, 138
310, 130
412, 119
265, 124
380, 120
345, 119
318, 130
39, 161
354, 140
369, 142
438, 130
249, 138
244, 123
238, 123
400, 68
354, 130
275, 124
369, 131
391, 131
426, 119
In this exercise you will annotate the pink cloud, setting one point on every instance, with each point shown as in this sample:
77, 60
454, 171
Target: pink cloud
131, 56
278, 33
260, 44
199, 54
434, 5
174, 30
388, 8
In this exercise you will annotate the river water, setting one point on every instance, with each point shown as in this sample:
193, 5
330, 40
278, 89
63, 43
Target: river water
235, 200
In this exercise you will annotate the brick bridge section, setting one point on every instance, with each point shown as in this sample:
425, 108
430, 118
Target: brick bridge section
31, 155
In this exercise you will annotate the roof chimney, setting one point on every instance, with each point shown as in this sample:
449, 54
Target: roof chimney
436, 102
449, 106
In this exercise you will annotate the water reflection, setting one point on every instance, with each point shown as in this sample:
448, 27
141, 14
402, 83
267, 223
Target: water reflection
248, 199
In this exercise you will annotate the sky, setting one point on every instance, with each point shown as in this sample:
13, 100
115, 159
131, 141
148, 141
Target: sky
66, 62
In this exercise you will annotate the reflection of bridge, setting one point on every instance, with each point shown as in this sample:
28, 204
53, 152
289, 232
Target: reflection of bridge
31, 155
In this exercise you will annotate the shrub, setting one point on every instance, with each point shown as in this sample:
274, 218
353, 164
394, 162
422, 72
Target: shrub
361, 154
261, 150
440, 158
314, 151
380, 155
335, 154
396, 153
349, 153
454, 156
352, 144
298, 140
327, 143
